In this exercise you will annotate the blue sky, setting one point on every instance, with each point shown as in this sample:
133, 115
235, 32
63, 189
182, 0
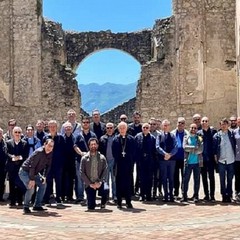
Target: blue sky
117, 16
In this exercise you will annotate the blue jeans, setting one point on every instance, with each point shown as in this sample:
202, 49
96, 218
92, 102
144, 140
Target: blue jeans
79, 184
24, 176
188, 169
113, 179
226, 171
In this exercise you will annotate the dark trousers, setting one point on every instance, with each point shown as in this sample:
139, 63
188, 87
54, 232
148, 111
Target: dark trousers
16, 187
189, 168
167, 168
237, 176
91, 196
157, 180
55, 174
207, 172
226, 172
177, 179
2, 180
146, 180
68, 182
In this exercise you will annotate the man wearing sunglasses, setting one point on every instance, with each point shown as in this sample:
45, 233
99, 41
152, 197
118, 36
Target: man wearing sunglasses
17, 152
179, 133
207, 171
105, 148
145, 158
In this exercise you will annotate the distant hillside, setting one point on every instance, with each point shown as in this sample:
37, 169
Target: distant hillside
105, 97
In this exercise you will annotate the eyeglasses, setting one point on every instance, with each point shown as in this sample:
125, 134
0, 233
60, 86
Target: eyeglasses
109, 127
205, 121
18, 132
181, 123
122, 118
145, 127
12, 125
85, 122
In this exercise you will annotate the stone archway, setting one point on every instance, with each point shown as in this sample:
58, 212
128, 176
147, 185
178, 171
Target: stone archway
80, 45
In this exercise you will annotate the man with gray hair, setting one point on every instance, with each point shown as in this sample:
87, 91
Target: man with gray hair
179, 132
123, 149
167, 147
96, 125
76, 126
105, 148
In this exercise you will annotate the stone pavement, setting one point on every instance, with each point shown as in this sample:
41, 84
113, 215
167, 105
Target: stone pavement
155, 220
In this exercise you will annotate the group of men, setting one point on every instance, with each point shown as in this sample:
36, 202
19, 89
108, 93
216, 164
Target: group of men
84, 156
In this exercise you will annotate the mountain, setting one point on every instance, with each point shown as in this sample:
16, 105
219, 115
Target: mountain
106, 96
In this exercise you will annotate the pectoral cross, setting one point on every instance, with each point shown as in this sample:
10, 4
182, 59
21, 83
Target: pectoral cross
123, 153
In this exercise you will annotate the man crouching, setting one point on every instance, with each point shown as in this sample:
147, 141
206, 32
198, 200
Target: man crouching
33, 172
93, 170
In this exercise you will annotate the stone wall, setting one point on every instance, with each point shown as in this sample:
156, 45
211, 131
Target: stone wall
238, 52
113, 115
197, 73
81, 44
188, 62
34, 79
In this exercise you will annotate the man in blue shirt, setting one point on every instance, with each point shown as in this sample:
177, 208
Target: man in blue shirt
193, 147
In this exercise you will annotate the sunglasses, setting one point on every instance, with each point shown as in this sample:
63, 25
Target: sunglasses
85, 122
193, 128
109, 127
181, 123
145, 127
205, 121
152, 123
18, 132
196, 119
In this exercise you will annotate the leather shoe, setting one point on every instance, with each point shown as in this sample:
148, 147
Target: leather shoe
39, 209
26, 210
129, 206
119, 206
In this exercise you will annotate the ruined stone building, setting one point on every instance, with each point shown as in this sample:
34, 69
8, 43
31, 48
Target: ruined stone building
188, 61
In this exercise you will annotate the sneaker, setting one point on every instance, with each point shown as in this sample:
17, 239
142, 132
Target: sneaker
39, 209
103, 206
26, 210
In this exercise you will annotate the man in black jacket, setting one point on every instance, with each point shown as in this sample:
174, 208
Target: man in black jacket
207, 170
105, 147
17, 152
33, 172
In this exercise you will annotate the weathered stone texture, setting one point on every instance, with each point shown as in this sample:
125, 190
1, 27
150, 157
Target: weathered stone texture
80, 45
188, 62
126, 108
238, 52
34, 79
